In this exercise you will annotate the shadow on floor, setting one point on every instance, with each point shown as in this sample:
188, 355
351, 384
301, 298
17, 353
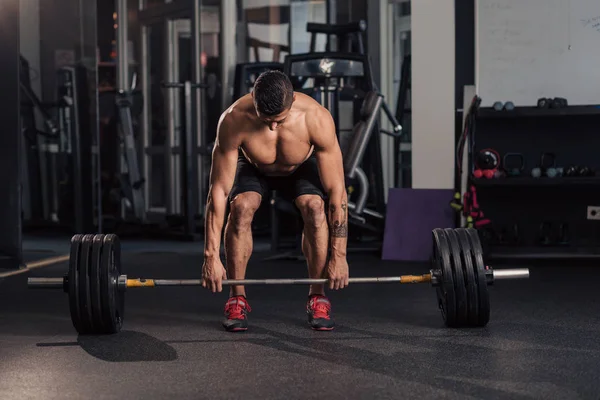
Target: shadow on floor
126, 346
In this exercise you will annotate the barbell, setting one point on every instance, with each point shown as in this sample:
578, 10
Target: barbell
96, 284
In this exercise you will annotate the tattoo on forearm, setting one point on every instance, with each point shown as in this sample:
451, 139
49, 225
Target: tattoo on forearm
344, 208
331, 209
339, 229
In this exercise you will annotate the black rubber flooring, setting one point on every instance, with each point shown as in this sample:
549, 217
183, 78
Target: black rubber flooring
543, 341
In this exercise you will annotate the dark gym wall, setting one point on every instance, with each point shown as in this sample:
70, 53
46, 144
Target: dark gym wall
373, 40
10, 137
465, 60
465, 47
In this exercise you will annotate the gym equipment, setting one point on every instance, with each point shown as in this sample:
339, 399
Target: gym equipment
487, 162
347, 35
547, 160
190, 195
357, 146
471, 210
559, 102
547, 166
585, 171
402, 160
571, 171
509, 106
544, 102
456, 202
498, 106
134, 187
74, 187
552, 172
499, 173
514, 163
96, 283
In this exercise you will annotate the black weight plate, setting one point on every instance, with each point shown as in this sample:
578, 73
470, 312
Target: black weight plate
470, 277
480, 269
460, 289
95, 286
117, 271
85, 306
445, 291
112, 298
73, 277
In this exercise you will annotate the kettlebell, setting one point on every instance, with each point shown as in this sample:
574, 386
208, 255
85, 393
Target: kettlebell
544, 102
551, 172
536, 172
513, 163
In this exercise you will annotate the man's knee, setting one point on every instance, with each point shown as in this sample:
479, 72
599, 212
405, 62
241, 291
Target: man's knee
312, 209
243, 207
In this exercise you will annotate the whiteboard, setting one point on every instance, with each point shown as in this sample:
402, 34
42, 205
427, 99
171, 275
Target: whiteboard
528, 49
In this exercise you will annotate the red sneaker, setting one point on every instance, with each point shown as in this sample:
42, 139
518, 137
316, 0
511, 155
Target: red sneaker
236, 310
318, 309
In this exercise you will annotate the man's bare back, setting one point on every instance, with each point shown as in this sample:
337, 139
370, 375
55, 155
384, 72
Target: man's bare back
275, 152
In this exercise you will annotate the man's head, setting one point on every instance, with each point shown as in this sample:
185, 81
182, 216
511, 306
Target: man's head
273, 97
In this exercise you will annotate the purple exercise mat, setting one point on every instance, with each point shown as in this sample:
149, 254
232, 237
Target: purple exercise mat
411, 216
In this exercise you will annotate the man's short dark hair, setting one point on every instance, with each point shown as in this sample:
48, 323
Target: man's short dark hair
273, 93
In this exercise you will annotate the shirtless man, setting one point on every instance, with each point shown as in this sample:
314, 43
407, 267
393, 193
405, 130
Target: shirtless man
276, 139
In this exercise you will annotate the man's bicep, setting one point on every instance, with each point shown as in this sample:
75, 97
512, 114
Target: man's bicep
224, 165
328, 152
331, 167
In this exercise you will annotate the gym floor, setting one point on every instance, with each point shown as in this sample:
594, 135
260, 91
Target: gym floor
542, 341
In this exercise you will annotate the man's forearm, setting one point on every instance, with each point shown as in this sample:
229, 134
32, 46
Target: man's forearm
213, 224
338, 222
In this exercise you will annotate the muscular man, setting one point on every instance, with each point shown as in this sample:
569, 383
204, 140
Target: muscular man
276, 139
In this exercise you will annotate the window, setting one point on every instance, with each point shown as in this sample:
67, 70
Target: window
271, 29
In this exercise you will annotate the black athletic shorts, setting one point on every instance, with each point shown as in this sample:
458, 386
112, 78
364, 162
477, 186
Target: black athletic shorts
304, 180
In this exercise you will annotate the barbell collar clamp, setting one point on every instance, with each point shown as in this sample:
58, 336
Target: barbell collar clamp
122, 283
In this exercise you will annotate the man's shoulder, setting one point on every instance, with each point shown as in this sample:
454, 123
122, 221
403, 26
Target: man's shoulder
310, 107
237, 114
306, 100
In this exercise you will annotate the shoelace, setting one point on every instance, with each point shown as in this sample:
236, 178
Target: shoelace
235, 310
320, 309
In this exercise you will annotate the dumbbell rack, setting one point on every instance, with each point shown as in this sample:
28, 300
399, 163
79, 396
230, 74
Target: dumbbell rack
528, 202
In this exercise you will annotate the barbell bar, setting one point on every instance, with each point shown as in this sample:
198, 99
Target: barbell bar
96, 284
128, 283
